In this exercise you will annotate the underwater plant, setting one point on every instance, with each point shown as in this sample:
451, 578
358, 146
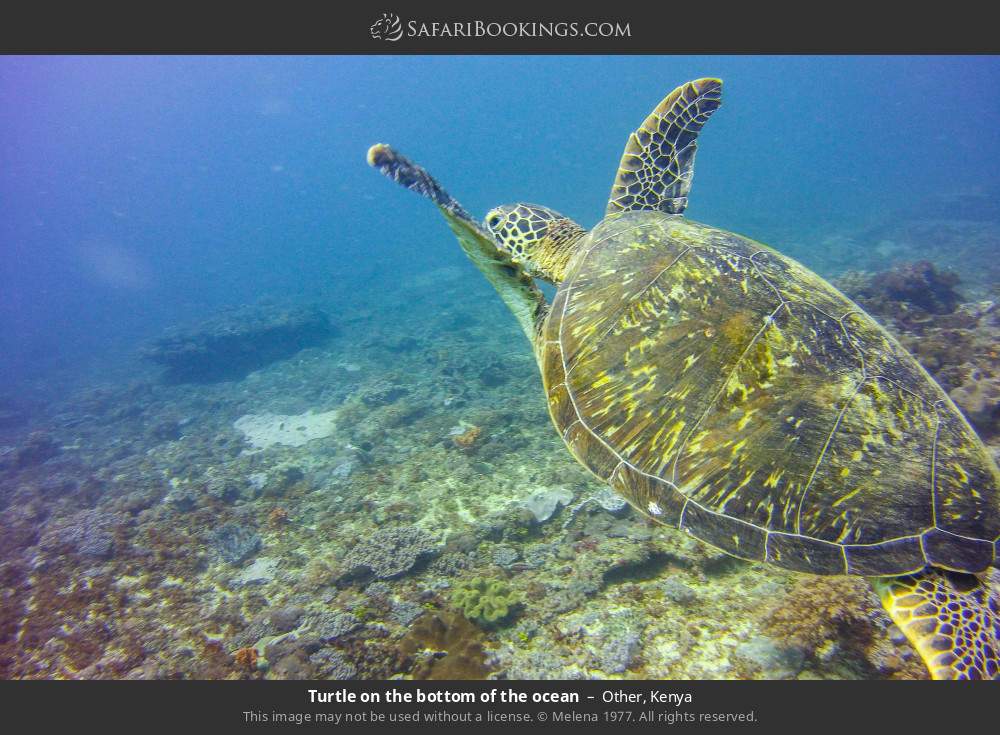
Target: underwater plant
468, 438
460, 641
484, 601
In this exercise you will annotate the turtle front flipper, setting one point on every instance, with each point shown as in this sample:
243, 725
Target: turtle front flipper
515, 286
656, 169
952, 619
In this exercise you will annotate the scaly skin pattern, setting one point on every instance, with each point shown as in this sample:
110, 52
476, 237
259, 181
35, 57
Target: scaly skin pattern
728, 391
540, 239
951, 619
658, 163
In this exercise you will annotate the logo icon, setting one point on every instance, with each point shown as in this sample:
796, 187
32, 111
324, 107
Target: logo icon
387, 28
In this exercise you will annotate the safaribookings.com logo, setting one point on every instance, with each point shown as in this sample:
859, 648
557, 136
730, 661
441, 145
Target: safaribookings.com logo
387, 28
390, 28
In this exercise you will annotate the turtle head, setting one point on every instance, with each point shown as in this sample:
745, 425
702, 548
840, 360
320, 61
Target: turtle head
538, 238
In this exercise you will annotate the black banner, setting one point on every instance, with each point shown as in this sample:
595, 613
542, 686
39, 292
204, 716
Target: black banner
635, 705
514, 28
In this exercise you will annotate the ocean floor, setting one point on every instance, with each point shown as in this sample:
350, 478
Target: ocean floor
391, 500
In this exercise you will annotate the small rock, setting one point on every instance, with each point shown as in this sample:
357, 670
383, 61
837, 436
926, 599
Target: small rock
235, 544
775, 661
677, 592
405, 612
544, 503
284, 619
390, 552
89, 533
327, 626
382, 393
261, 571
296, 665
330, 663
37, 448
504, 555
183, 497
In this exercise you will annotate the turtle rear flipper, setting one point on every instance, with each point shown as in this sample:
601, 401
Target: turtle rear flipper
952, 619
656, 169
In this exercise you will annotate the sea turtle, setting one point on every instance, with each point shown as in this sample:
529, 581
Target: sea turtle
725, 390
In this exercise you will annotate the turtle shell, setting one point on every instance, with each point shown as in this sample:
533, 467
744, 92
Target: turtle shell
726, 390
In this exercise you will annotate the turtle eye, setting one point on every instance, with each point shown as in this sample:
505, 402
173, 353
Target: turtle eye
493, 221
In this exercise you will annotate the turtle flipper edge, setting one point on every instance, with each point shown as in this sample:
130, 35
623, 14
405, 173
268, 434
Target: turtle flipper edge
515, 286
951, 618
658, 163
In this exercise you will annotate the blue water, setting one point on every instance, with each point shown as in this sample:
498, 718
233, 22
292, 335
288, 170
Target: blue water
138, 193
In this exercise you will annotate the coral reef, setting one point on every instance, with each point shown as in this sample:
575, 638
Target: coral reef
956, 342
234, 543
485, 602
328, 626
263, 431
978, 395
36, 449
444, 646
467, 439
389, 552
919, 284
147, 535
246, 659
88, 533
544, 503
959, 229
824, 617
231, 344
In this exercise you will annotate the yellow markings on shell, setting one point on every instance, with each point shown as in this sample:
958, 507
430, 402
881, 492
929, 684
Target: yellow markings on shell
681, 394
673, 434
734, 386
689, 361
645, 369
846, 531
644, 344
745, 419
773, 479
871, 438
962, 476
845, 471
603, 379
656, 437
736, 328
746, 479
694, 444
